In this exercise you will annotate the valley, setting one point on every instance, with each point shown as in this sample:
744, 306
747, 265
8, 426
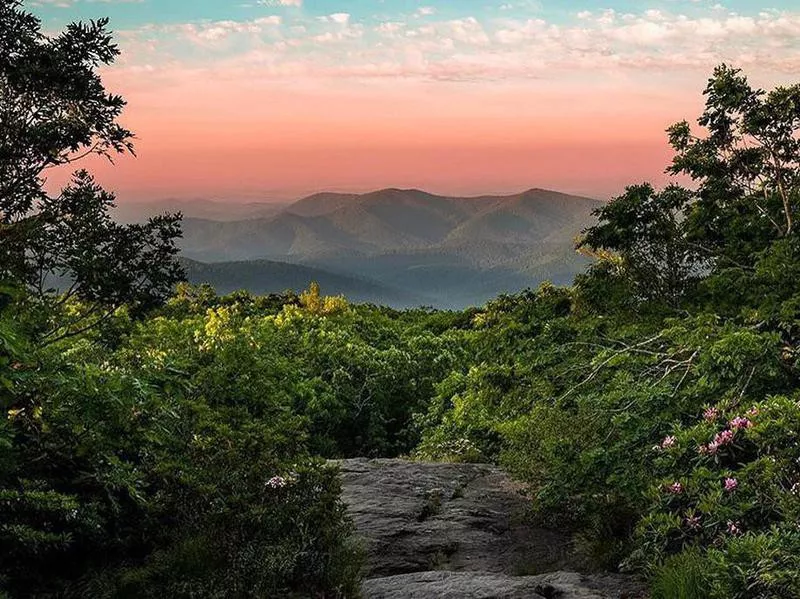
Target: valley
402, 248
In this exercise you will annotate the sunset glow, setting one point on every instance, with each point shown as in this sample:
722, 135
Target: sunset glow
277, 98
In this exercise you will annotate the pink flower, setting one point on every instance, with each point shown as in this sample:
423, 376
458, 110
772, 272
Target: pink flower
731, 484
723, 438
720, 439
753, 412
675, 488
276, 482
693, 522
711, 414
734, 528
740, 423
711, 449
669, 442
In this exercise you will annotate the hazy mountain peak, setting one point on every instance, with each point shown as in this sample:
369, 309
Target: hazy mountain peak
453, 250
217, 210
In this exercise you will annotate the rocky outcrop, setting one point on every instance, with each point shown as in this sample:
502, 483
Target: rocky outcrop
434, 530
481, 585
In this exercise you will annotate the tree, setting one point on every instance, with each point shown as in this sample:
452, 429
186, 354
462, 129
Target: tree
746, 175
54, 111
646, 229
747, 167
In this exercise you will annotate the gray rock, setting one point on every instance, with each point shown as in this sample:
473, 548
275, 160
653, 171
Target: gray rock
484, 585
415, 517
436, 530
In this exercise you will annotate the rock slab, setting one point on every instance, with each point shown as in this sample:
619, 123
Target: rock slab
484, 585
437, 530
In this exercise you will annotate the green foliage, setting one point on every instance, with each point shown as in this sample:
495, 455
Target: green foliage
174, 455
747, 166
596, 395
647, 230
652, 408
124, 481
356, 374
752, 566
56, 111
682, 576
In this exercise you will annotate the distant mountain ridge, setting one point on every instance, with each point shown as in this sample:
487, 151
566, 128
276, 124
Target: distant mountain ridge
266, 276
389, 220
453, 251
134, 212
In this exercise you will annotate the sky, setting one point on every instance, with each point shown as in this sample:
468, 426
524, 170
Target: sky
272, 99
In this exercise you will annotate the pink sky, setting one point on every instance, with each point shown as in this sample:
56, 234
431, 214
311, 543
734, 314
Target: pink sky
276, 108
240, 141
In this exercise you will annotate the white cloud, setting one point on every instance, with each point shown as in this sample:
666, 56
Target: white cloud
56, 3
340, 17
276, 3
390, 27
204, 33
71, 3
467, 31
469, 48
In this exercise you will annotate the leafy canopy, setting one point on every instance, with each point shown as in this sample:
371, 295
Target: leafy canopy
55, 111
745, 194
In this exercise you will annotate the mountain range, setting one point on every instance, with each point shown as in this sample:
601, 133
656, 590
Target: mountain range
394, 246
132, 212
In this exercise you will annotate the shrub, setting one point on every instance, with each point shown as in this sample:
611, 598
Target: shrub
132, 479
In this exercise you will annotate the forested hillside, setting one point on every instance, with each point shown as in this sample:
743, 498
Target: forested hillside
161, 440
263, 277
324, 227
441, 251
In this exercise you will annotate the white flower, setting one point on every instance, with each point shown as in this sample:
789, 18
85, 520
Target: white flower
276, 482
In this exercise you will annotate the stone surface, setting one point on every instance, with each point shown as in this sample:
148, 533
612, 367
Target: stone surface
435, 530
485, 585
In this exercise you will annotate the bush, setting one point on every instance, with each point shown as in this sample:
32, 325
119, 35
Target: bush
751, 566
729, 485
124, 480
683, 576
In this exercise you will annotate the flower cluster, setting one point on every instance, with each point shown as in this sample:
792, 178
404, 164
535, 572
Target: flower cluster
720, 440
734, 528
740, 423
669, 442
276, 482
675, 488
693, 522
723, 438
666, 443
740, 490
